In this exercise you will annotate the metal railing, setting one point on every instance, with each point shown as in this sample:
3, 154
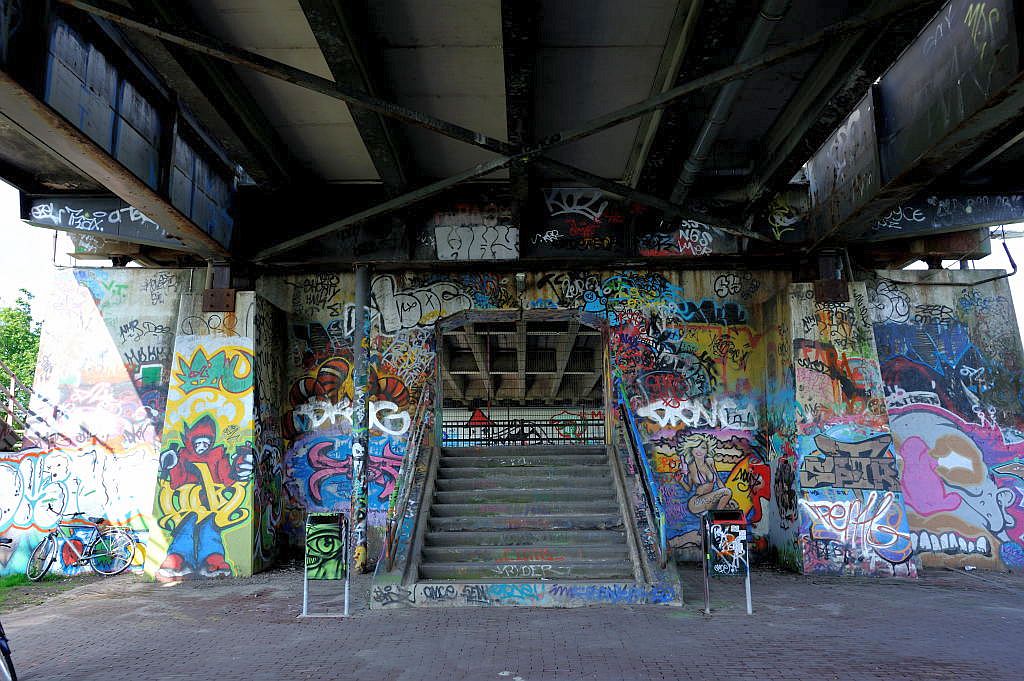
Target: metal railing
399, 500
14, 409
573, 429
649, 483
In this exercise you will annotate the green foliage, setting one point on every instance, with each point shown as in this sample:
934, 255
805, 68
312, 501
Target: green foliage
19, 338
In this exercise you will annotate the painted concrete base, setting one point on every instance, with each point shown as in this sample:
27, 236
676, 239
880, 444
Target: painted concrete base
536, 594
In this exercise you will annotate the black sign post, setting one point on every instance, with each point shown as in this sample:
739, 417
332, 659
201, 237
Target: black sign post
724, 535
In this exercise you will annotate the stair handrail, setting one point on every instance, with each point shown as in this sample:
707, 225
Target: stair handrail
399, 499
13, 402
649, 484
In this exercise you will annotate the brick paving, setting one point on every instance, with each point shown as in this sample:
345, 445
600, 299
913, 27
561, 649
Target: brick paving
946, 625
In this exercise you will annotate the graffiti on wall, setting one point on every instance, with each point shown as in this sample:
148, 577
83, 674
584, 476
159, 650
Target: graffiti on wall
97, 412
951, 363
578, 220
203, 504
686, 238
471, 232
691, 368
268, 474
838, 460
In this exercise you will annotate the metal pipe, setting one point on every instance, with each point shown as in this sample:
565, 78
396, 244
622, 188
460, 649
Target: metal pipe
360, 416
767, 20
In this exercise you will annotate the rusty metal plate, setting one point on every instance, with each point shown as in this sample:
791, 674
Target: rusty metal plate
831, 291
219, 300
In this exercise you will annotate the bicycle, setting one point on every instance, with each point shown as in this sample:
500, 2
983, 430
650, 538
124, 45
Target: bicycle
7, 672
109, 553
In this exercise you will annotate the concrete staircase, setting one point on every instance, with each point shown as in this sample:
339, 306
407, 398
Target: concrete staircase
525, 514
533, 526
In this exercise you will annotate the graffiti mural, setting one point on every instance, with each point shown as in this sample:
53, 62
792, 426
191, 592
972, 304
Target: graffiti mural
839, 505
204, 493
691, 365
952, 367
98, 408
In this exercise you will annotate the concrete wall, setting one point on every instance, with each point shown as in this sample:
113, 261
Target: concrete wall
747, 393
101, 391
952, 366
687, 346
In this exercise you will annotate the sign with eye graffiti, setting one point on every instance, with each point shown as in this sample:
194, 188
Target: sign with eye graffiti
326, 546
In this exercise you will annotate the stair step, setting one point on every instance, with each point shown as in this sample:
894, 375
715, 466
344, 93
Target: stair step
524, 554
525, 538
502, 482
503, 473
514, 510
525, 494
597, 569
535, 450
522, 460
561, 521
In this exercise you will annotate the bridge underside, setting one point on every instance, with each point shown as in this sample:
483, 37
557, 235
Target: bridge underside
372, 234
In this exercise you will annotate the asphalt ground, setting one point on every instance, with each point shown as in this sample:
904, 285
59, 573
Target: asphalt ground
945, 625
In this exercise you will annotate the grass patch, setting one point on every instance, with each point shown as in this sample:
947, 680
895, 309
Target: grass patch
13, 580
21, 580
18, 590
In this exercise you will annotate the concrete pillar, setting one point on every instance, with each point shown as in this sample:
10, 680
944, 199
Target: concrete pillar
836, 479
360, 417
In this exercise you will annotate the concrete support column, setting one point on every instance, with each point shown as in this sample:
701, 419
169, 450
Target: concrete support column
836, 479
360, 417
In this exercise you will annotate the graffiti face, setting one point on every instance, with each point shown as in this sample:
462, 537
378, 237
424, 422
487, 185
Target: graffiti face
962, 515
952, 368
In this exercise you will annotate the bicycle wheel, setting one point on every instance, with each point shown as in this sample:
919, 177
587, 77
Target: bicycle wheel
7, 672
41, 558
111, 552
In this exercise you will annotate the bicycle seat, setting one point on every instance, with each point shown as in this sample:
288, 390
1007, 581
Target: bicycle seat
6, 541
74, 515
95, 520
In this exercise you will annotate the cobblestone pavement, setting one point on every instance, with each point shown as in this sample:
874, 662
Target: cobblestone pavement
946, 625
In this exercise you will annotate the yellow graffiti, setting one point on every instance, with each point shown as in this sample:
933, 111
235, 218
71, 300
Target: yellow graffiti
223, 502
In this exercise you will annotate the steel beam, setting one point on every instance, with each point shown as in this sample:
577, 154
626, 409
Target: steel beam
928, 214
481, 357
389, 206
269, 67
340, 34
800, 130
804, 107
684, 24
967, 72
518, 39
218, 49
225, 93
47, 128
671, 210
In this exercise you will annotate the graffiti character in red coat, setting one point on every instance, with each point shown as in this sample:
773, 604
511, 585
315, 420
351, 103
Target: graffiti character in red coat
204, 497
